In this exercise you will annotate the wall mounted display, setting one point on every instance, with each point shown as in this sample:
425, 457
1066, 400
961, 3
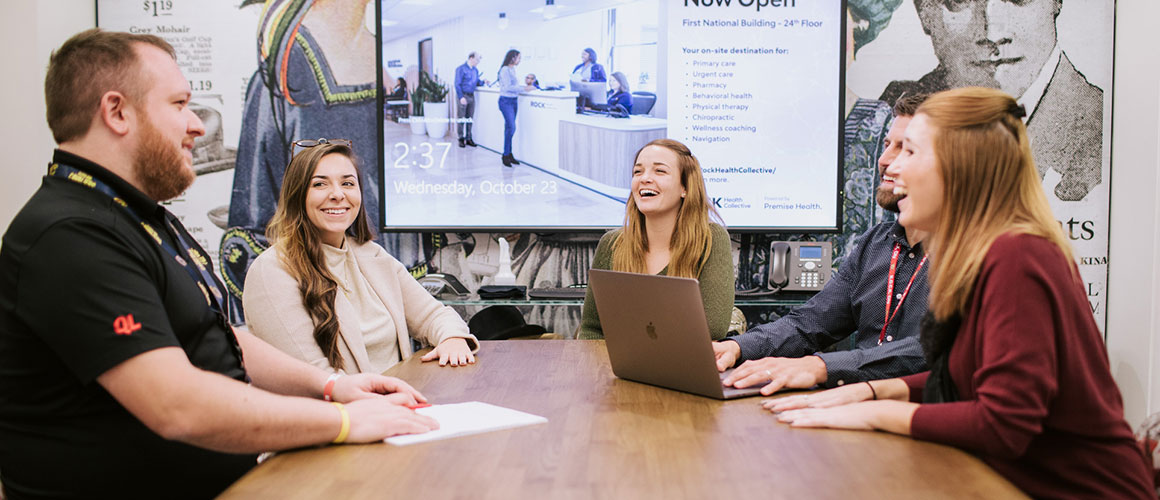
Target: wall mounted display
755, 93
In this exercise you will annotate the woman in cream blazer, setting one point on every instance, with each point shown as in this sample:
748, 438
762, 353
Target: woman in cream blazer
326, 293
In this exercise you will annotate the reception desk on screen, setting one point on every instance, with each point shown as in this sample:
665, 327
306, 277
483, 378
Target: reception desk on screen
591, 150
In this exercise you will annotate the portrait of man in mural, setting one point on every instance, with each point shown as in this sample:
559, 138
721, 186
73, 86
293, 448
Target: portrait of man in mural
1013, 45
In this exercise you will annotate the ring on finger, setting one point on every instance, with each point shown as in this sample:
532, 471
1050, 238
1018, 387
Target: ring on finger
769, 374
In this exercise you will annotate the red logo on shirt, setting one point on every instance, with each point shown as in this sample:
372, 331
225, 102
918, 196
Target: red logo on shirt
124, 325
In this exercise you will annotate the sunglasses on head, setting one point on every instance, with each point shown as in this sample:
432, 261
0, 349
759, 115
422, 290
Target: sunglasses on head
309, 143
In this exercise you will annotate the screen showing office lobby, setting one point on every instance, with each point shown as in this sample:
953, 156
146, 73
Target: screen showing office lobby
689, 75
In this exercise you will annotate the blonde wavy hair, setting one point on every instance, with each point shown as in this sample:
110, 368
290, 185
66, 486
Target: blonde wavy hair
692, 238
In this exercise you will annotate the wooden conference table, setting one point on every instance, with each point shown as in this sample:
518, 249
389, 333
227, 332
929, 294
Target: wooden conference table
611, 438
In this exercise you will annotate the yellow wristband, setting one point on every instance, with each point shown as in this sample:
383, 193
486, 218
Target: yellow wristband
345, 424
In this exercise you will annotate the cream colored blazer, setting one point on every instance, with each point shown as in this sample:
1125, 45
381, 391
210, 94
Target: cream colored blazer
275, 313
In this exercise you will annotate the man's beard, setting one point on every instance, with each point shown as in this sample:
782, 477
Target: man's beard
887, 200
160, 166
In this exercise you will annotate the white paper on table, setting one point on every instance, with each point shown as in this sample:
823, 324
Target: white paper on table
463, 419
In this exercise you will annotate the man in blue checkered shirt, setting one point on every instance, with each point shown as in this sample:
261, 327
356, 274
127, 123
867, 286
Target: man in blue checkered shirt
787, 353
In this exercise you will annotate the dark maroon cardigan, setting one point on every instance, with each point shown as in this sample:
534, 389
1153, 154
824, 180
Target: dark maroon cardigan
1037, 398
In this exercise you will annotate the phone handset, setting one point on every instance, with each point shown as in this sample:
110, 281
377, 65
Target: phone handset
778, 260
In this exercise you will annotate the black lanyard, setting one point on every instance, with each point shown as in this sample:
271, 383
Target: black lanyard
199, 271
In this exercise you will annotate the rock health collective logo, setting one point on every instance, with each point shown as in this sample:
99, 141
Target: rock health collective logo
730, 202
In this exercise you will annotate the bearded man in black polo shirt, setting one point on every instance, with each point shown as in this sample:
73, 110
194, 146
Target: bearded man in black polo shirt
120, 375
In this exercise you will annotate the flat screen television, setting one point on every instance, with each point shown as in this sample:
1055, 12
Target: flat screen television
754, 89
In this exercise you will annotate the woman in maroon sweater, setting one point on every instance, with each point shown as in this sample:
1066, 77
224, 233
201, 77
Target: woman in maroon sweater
1019, 372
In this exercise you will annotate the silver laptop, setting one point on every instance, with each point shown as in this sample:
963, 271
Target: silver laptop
656, 332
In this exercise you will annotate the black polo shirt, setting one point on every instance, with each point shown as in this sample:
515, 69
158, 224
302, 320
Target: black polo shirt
73, 267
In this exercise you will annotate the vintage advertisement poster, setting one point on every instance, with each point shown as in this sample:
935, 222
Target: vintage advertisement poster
216, 51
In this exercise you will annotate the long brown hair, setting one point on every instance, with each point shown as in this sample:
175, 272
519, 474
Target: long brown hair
301, 244
692, 238
990, 187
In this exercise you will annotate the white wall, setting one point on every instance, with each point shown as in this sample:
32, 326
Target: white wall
31, 29
1133, 328
446, 46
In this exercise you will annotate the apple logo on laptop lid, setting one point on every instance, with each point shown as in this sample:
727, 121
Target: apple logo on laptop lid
651, 330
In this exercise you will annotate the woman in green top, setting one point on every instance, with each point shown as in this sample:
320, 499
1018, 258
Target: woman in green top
668, 205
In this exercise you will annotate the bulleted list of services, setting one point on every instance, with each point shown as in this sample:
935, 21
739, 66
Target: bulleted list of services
754, 90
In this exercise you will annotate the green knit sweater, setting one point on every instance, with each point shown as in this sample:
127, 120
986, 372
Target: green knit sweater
716, 282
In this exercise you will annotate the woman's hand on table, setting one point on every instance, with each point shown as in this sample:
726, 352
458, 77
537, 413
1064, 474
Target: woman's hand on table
453, 351
838, 396
890, 416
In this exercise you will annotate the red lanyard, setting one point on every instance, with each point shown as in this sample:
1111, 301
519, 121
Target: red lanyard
890, 289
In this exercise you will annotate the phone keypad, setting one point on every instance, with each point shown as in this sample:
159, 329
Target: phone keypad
809, 279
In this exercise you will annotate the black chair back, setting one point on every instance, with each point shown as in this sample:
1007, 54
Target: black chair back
642, 102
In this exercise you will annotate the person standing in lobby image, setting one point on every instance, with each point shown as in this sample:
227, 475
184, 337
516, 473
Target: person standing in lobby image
879, 294
588, 70
122, 375
509, 92
668, 230
466, 80
326, 293
1019, 371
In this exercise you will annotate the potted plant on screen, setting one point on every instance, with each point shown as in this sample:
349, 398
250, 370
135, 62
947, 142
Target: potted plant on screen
418, 125
434, 105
